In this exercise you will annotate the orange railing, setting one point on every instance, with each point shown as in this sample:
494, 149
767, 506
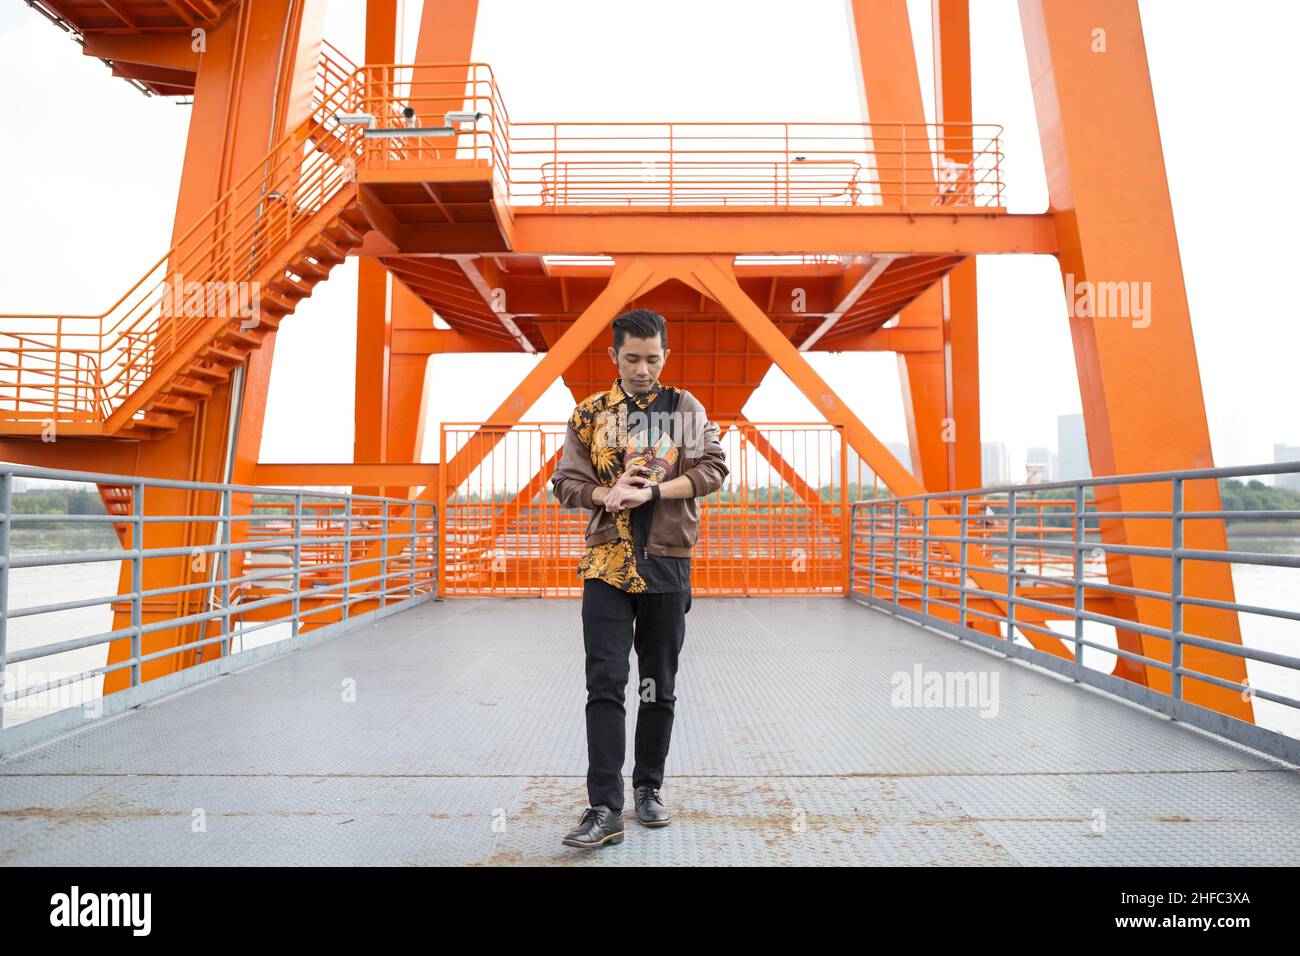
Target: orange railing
891, 165
778, 524
410, 105
83, 367
902, 165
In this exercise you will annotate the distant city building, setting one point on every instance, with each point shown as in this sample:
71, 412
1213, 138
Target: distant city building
994, 466
1287, 453
1038, 465
1072, 448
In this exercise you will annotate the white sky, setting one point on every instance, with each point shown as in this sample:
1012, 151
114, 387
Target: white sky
90, 168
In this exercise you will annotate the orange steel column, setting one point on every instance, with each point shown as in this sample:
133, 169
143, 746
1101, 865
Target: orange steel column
1138, 374
391, 384
408, 383
950, 21
374, 321
252, 82
374, 340
892, 94
388, 412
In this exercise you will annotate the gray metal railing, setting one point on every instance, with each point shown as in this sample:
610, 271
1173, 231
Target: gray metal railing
1138, 568
202, 565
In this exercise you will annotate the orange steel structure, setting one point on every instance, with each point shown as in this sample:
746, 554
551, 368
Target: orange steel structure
759, 241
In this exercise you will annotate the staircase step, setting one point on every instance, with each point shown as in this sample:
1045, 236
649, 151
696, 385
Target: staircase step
294, 288
309, 270
157, 422
213, 373
324, 249
238, 339
341, 230
196, 389
273, 300
225, 355
356, 217
169, 404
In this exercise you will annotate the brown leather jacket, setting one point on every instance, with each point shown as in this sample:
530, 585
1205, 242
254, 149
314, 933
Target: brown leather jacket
675, 522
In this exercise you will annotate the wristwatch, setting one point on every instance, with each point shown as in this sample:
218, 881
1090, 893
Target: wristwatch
654, 492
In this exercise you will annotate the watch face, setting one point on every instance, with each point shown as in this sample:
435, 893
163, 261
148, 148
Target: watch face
658, 458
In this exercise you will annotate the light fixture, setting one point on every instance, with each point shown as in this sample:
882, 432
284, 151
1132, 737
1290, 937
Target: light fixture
401, 132
354, 119
464, 117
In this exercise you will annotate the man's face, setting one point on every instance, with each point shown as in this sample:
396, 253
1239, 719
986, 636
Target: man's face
639, 363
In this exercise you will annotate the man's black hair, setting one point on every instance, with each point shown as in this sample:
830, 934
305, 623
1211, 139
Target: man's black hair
640, 324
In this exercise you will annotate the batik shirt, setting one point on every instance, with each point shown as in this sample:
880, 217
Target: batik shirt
615, 562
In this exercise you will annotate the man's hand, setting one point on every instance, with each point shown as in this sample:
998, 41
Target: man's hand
629, 491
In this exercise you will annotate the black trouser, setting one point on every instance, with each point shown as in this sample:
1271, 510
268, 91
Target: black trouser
608, 616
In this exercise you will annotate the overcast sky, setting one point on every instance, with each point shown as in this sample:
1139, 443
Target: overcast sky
90, 170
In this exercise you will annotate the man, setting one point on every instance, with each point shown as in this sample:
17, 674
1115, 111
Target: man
638, 455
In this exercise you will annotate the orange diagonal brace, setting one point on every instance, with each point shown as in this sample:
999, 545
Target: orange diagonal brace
716, 276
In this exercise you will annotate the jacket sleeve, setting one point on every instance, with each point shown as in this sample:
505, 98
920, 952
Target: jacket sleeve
701, 439
575, 478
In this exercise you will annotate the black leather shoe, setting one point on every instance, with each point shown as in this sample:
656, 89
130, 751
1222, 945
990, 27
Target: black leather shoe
598, 826
650, 810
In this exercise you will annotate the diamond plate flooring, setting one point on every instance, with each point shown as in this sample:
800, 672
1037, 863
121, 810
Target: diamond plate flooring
454, 733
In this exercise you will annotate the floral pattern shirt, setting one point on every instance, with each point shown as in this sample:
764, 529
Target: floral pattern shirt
613, 561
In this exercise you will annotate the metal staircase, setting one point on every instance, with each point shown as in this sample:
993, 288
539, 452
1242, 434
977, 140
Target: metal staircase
141, 367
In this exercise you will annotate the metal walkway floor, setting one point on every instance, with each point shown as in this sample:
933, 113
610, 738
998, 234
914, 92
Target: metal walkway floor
466, 744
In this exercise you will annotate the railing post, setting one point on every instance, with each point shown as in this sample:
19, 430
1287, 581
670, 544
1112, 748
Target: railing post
347, 555
1176, 592
6, 508
871, 546
895, 530
902, 185
852, 510
1079, 537
1011, 566
965, 507
297, 564
411, 592
787, 165
925, 556
671, 164
226, 538
137, 579
383, 554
